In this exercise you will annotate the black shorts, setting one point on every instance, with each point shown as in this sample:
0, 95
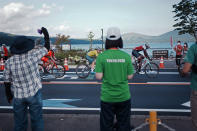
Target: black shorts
136, 53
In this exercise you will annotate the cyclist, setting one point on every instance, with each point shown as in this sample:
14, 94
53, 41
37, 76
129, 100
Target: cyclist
91, 57
4, 52
139, 56
48, 58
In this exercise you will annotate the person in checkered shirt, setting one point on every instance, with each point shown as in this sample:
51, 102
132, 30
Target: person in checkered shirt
23, 83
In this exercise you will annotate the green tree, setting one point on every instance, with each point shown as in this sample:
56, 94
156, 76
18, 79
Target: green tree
61, 39
186, 17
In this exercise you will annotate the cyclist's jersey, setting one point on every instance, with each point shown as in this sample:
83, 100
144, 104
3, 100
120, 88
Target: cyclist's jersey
93, 53
47, 56
5, 51
140, 48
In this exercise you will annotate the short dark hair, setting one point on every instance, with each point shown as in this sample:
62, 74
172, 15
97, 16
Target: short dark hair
113, 43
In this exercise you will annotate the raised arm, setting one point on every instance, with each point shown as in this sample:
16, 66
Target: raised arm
46, 37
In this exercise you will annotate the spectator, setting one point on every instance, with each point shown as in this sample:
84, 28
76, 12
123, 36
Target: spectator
4, 52
114, 67
22, 74
191, 63
185, 49
178, 49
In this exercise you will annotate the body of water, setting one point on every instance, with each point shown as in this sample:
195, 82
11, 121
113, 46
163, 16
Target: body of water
128, 47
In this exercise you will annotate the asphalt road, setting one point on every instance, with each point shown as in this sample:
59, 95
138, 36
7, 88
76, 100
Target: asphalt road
166, 94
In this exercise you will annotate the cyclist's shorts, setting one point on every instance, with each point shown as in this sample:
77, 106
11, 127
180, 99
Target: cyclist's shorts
44, 59
90, 59
136, 53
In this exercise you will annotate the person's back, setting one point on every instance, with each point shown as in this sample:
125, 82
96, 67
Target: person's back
191, 64
114, 67
22, 75
25, 65
115, 83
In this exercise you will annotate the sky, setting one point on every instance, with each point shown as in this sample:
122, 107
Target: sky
77, 18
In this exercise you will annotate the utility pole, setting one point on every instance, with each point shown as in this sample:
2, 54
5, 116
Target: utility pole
102, 37
90, 36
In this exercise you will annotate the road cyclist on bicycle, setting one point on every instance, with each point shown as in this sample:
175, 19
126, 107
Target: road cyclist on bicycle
139, 56
49, 58
91, 57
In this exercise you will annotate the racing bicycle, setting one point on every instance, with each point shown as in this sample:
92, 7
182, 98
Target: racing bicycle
53, 68
150, 68
83, 69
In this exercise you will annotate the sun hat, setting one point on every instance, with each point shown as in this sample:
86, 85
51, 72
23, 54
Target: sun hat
21, 45
113, 33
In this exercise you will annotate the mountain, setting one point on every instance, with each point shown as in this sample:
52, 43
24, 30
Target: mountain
8, 39
128, 38
140, 38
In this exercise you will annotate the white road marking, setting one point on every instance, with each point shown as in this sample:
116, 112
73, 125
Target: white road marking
75, 77
63, 77
98, 109
169, 73
187, 104
163, 73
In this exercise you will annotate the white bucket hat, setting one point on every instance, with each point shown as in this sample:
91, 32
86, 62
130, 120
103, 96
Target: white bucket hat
113, 33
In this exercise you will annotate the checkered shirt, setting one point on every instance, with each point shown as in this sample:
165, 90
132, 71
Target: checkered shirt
22, 71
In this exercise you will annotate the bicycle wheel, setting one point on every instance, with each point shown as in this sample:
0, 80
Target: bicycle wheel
82, 70
151, 70
58, 71
41, 70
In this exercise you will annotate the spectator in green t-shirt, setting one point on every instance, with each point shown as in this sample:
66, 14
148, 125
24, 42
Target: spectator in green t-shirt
191, 63
114, 68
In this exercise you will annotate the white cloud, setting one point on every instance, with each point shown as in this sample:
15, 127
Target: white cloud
19, 18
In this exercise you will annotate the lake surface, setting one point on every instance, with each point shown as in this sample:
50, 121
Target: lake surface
128, 47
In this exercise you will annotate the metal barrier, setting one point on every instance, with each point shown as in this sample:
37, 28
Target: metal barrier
152, 121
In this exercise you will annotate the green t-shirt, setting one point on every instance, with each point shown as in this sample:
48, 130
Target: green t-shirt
116, 66
191, 57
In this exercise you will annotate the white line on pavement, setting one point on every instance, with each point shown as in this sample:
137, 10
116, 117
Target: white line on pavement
187, 104
169, 73
98, 109
74, 77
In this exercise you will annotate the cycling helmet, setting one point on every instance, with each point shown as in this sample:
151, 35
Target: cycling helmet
147, 46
